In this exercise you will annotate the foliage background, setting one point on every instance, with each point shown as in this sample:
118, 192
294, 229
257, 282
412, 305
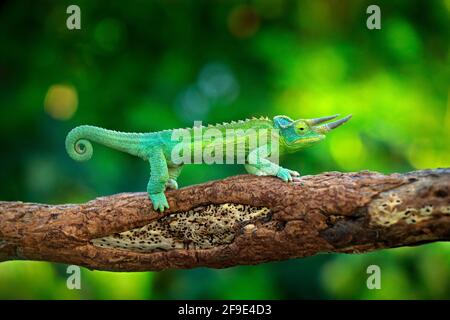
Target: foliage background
152, 65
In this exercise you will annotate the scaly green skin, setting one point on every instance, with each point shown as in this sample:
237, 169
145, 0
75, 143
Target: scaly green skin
157, 147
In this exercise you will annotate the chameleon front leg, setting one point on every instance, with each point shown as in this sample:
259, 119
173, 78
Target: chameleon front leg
174, 172
159, 175
260, 166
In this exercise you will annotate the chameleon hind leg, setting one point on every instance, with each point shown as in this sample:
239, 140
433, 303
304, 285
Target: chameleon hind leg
174, 172
159, 175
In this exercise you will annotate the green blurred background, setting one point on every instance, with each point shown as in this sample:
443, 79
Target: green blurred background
152, 65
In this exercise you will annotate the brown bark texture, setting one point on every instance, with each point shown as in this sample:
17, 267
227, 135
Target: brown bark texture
329, 212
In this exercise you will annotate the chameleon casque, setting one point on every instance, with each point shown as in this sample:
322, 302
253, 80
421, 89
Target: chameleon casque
157, 147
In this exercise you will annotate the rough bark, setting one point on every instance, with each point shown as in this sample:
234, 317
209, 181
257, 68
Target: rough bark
329, 212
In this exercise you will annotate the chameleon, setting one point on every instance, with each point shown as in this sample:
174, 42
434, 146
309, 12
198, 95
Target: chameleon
280, 135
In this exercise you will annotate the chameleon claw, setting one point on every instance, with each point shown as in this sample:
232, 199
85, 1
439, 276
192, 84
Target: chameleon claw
287, 175
294, 173
159, 201
172, 184
284, 175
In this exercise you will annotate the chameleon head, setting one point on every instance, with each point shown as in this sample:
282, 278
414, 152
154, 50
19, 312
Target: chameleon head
297, 134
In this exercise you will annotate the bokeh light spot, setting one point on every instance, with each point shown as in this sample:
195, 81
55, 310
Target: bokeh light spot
243, 21
192, 104
108, 34
61, 101
347, 149
402, 40
422, 155
217, 82
447, 4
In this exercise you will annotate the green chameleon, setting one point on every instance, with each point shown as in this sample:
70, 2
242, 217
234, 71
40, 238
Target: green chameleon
276, 136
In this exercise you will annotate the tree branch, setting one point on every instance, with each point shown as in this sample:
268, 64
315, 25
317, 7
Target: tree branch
236, 221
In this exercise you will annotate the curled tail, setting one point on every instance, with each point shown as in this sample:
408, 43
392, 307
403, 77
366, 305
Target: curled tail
79, 147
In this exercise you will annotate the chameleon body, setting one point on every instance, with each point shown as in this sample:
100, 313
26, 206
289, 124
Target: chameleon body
279, 135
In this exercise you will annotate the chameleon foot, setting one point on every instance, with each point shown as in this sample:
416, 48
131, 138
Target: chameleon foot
172, 184
286, 174
159, 201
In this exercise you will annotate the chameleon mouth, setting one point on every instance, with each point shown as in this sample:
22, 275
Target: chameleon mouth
200, 228
308, 140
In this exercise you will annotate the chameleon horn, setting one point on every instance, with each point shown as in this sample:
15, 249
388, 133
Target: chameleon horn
315, 121
330, 126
